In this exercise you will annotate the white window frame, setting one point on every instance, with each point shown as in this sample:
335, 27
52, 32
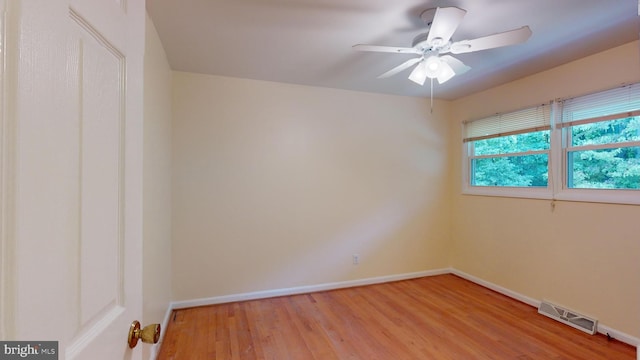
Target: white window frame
557, 186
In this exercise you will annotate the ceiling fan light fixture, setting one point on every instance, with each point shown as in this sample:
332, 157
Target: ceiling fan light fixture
446, 72
419, 73
433, 66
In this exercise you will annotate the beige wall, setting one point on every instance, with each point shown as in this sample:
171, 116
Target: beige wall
582, 255
156, 182
277, 185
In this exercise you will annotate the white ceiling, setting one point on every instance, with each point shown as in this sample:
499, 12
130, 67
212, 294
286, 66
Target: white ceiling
309, 42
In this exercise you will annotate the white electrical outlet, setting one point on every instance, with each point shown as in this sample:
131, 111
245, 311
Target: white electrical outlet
356, 259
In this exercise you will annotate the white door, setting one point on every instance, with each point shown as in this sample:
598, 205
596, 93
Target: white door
72, 174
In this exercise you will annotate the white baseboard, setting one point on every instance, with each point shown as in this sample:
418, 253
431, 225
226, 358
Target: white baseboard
303, 289
602, 329
496, 288
618, 335
155, 349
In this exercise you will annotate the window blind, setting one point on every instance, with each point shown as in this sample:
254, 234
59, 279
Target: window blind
605, 105
532, 119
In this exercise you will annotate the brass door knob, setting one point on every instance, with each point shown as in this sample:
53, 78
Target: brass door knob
150, 334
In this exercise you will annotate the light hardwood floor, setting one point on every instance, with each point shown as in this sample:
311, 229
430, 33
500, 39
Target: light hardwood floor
438, 317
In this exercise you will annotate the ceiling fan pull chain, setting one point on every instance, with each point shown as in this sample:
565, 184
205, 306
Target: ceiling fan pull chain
431, 92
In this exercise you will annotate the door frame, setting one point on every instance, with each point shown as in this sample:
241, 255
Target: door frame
7, 179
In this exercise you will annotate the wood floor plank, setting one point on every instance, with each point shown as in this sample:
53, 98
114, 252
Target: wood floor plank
438, 317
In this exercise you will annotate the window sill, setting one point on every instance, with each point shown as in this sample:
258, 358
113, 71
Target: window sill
626, 197
513, 192
623, 197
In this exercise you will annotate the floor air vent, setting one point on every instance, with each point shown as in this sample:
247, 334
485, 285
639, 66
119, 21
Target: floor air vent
569, 317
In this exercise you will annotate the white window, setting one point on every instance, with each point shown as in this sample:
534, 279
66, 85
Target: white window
601, 145
509, 152
592, 154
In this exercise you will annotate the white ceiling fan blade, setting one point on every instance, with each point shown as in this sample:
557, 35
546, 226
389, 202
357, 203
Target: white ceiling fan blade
492, 41
445, 22
387, 49
405, 65
456, 65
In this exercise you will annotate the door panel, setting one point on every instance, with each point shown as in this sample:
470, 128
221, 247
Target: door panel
100, 69
100, 240
78, 174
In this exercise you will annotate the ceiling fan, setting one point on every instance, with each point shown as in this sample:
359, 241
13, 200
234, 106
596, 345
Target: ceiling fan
430, 46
